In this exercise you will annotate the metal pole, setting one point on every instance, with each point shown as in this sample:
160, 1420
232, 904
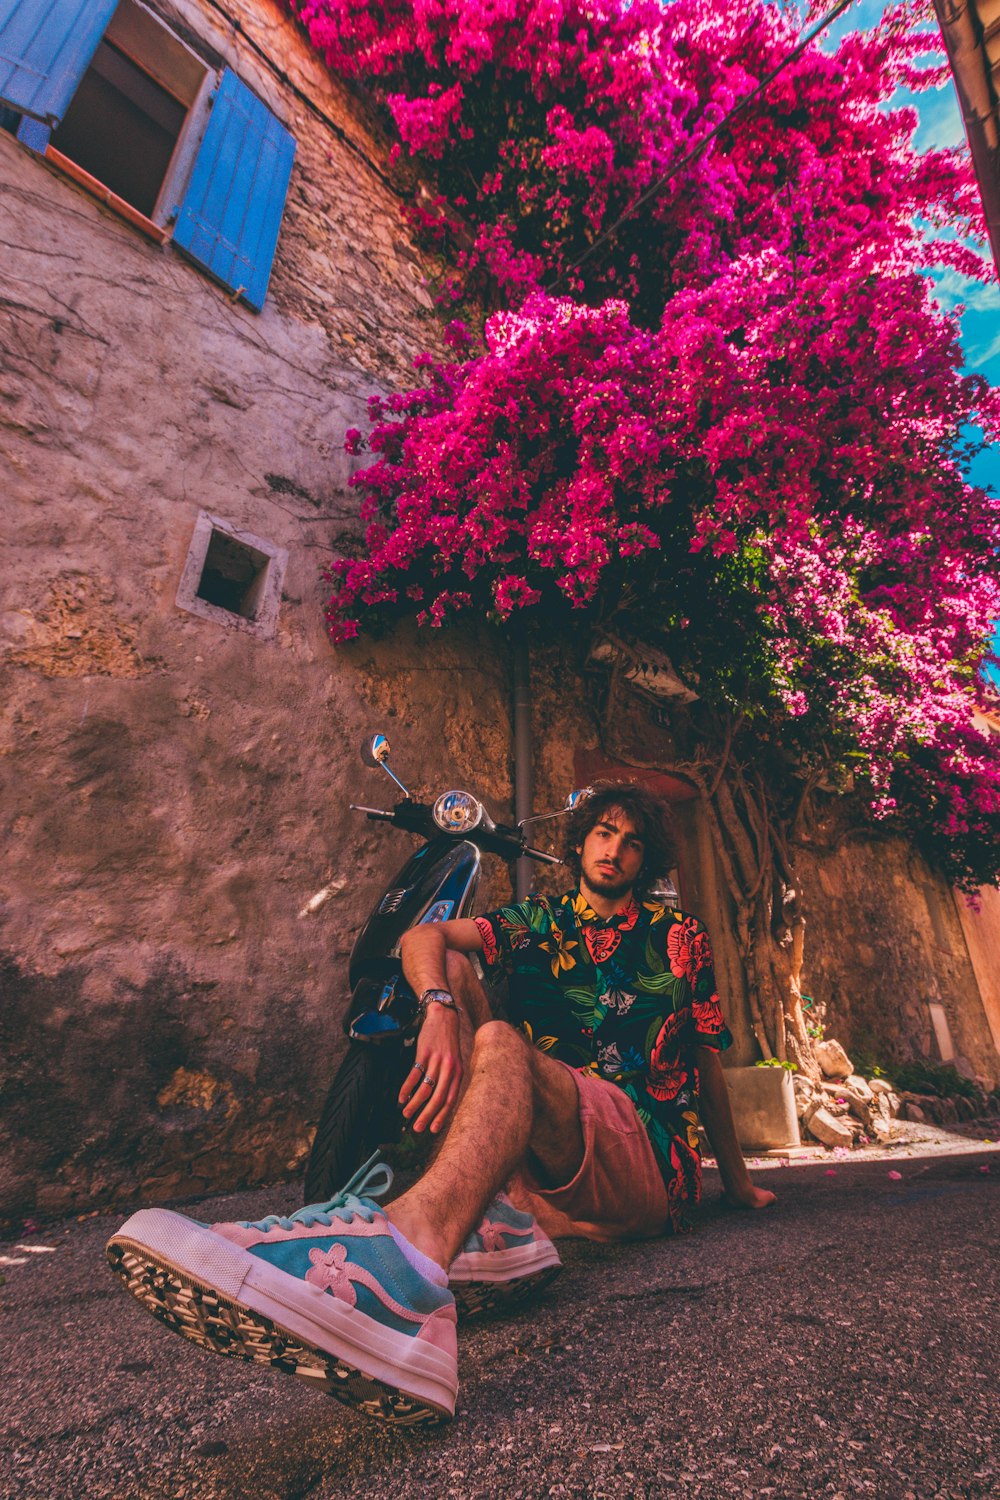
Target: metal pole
522, 751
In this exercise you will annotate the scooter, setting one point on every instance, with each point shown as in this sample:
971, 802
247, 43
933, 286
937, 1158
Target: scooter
436, 884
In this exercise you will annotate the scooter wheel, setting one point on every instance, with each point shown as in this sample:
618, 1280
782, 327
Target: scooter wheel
348, 1129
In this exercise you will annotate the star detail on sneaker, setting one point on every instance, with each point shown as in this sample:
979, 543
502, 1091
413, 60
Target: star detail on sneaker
327, 1269
493, 1235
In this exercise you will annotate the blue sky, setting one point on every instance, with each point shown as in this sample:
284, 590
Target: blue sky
941, 125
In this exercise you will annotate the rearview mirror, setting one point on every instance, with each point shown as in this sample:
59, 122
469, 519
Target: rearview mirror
375, 751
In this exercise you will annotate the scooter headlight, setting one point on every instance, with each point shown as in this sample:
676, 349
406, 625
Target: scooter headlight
457, 812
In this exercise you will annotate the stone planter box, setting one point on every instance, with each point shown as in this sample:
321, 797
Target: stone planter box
763, 1102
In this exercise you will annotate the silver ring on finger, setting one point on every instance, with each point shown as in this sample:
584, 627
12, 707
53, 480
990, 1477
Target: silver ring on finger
422, 1071
431, 1083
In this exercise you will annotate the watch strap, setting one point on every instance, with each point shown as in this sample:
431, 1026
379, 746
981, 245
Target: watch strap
437, 997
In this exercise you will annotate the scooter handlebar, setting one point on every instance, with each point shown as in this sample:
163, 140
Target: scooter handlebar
415, 817
539, 854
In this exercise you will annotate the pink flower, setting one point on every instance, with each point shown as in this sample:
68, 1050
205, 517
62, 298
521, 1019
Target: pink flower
666, 1073
743, 415
708, 1018
688, 949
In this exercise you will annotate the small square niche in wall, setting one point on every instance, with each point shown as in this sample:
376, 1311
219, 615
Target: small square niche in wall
232, 577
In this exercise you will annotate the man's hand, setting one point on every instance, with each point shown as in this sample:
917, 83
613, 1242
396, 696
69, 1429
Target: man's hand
430, 1089
717, 1115
749, 1197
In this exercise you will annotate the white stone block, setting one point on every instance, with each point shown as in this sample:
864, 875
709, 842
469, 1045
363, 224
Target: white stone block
763, 1102
831, 1131
833, 1060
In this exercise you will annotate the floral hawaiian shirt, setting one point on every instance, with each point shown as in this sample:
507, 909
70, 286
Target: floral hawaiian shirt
625, 998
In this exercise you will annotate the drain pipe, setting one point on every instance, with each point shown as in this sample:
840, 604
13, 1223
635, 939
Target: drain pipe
522, 752
967, 37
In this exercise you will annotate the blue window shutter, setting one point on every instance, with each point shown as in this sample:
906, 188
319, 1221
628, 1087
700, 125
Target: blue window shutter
229, 220
45, 49
34, 134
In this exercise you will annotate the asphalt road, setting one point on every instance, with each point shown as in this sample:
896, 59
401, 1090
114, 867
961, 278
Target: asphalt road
844, 1342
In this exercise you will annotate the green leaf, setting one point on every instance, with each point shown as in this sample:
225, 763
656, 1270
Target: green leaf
657, 984
577, 995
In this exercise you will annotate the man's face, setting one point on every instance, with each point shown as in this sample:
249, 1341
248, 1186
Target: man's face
611, 855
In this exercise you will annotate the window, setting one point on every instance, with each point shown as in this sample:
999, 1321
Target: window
232, 578
233, 575
127, 118
110, 96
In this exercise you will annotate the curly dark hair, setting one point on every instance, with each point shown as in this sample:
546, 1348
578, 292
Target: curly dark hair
647, 811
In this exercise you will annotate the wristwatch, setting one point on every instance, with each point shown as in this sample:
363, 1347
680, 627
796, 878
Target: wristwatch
437, 997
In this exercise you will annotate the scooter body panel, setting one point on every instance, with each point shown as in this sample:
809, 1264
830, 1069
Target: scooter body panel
436, 884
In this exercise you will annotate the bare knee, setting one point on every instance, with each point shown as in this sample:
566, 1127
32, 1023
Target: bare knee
498, 1039
463, 982
459, 970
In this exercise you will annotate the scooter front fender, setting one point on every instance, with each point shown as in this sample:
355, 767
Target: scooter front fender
436, 884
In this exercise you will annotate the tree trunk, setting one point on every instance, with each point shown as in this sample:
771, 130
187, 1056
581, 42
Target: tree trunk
753, 854
769, 922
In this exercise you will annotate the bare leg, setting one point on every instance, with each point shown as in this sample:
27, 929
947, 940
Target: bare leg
516, 1101
472, 1000
474, 1010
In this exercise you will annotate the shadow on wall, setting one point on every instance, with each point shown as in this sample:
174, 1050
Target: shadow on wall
141, 1095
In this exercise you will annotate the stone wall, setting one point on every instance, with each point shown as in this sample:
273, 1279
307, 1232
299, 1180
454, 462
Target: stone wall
885, 943
174, 791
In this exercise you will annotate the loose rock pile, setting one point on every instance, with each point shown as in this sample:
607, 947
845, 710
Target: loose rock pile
845, 1109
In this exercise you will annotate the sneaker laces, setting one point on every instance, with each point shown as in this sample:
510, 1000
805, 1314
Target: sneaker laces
370, 1181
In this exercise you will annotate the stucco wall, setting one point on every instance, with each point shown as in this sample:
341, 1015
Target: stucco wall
174, 791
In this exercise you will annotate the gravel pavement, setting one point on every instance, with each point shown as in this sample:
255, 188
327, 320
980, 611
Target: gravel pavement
844, 1342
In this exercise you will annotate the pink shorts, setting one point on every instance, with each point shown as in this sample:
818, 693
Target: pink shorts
618, 1193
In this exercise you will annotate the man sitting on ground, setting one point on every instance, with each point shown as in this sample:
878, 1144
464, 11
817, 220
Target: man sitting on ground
592, 1104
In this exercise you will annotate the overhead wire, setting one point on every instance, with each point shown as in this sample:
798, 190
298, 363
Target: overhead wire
310, 104
692, 155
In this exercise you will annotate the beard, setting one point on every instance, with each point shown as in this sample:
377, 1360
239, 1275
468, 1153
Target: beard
610, 884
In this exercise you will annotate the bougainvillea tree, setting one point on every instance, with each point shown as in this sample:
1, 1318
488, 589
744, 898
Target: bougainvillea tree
711, 409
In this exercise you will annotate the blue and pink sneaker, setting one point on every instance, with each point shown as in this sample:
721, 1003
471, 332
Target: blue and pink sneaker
506, 1258
326, 1294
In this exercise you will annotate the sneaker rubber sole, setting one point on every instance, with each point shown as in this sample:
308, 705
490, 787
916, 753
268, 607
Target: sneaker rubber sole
473, 1298
222, 1298
484, 1280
